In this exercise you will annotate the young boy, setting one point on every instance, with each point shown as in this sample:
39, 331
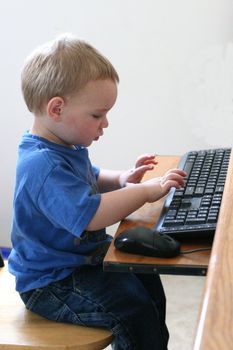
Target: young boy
63, 203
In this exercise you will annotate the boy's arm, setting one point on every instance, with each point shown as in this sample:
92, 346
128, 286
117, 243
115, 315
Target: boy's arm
110, 180
116, 205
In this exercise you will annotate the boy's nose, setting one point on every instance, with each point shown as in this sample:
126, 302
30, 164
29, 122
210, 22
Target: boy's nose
105, 122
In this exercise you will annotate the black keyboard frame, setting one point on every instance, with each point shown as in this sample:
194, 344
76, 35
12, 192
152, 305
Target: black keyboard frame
191, 231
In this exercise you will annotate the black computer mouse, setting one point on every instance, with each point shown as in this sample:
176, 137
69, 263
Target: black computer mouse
144, 241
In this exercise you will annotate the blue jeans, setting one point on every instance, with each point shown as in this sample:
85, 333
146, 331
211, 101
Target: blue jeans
132, 306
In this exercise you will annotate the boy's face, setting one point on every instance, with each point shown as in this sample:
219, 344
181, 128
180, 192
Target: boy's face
84, 115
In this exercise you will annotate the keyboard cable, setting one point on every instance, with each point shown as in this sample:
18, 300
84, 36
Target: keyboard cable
194, 250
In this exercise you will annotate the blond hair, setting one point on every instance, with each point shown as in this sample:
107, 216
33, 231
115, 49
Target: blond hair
61, 68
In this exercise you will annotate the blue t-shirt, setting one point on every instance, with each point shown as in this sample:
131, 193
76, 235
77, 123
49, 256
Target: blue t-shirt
56, 196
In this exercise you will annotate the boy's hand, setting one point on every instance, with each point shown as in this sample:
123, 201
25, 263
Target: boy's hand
116, 205
160, 186
144, 163
145, 159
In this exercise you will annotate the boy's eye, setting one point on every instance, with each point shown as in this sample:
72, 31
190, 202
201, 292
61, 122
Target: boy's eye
96, 116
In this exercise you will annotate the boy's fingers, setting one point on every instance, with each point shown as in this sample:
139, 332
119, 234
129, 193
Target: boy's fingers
144, 168
175, 177
146, 159
177, 171
137, 173
169, 184
149, 161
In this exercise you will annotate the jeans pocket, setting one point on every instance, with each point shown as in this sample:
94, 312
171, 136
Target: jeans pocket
30, 297
44, 302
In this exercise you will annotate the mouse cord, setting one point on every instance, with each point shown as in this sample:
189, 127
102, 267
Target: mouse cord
194, 250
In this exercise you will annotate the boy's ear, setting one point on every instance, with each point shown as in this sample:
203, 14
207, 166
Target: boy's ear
54, 108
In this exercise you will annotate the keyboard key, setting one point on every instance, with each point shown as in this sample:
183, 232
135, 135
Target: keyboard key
173, 222
195, 221
209, 190
212, 219
179, 193
199, 191
189, 191
219, 189
185, 203
188, 167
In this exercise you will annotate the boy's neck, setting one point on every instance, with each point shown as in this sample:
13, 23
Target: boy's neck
38, 129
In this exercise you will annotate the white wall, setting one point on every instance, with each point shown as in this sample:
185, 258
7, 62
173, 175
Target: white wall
175, 61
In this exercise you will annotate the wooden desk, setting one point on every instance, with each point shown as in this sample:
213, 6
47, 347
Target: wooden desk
188, 264
215, 325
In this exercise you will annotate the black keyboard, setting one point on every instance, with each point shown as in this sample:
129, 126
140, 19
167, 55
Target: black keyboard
192, 211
